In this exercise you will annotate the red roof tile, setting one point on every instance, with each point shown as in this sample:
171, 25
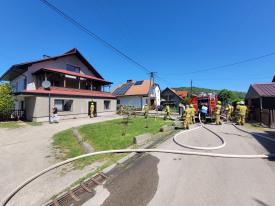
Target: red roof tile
72, 92
18, 69
63, 71
265, 90
133, 88
182, 94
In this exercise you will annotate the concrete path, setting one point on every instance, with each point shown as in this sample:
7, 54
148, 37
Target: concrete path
26, 151
165, 179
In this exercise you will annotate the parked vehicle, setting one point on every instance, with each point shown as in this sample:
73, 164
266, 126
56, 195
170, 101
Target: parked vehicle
208, 99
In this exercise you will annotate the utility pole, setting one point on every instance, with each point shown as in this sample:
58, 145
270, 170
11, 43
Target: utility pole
152, 82
191, 91
152, 78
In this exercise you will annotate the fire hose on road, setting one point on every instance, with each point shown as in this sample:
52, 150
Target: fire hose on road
175, 138
203, 154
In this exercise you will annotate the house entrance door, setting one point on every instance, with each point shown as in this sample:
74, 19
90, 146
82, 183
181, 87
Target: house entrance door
95, 110
152, 103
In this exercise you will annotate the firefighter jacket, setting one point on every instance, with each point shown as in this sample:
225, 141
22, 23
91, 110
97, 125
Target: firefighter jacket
242, 110
218, 109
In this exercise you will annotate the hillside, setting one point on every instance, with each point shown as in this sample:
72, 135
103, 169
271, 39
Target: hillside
237, 94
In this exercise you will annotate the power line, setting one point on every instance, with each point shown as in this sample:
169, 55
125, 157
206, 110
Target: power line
230, 64
92, 34
122, 54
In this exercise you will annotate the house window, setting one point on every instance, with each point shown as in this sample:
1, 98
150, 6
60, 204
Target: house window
63, 105
106, 105
118, 101
73, 68
14, 86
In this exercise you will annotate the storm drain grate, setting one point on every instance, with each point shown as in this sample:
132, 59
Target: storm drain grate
74, 196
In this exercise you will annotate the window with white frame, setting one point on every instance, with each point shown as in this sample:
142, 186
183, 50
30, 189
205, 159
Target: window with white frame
63, 105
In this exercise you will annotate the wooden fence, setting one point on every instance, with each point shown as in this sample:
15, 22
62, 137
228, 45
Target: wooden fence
267, 117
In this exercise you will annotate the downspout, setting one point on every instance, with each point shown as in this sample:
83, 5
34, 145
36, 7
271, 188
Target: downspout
261, 108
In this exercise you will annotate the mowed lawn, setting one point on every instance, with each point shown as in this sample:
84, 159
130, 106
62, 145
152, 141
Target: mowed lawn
105, 136
18, 124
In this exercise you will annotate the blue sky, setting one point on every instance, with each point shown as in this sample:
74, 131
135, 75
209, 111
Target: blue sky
172, 38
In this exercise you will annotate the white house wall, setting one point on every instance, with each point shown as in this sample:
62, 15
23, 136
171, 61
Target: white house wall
59, 63
37, 108
136, 101
157, 94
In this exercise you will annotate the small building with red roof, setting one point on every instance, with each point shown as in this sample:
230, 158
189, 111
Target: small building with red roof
173, 97
137, 93
261, 102
67, 81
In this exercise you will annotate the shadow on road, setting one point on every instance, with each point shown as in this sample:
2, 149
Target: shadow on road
267, 144
134, 184
260, 203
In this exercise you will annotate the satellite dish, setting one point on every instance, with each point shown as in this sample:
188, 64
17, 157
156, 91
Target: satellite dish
46, 84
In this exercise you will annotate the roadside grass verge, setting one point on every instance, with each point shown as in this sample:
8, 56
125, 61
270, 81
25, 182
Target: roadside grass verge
11, 124
257, 126
106, 135
34, 124
18, 124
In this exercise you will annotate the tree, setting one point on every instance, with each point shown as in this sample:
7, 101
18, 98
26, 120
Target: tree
225, 95
186, 100
6, 99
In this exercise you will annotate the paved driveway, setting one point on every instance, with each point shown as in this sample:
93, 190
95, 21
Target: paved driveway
26, 151
166, 179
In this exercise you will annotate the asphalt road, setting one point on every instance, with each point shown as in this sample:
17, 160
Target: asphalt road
167, 179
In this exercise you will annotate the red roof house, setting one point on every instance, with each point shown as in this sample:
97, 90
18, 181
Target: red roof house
261, 101
74, 84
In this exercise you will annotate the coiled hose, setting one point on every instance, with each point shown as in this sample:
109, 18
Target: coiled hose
203, 154
175, 138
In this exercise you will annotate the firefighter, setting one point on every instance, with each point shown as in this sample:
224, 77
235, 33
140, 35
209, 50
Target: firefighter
241, 113
236, 111
146, 111
217, 113
192, 114
121, 110
186, 117
92, 109
232, 110
228, 110
167, 112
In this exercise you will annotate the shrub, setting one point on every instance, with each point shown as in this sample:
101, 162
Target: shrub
6, 99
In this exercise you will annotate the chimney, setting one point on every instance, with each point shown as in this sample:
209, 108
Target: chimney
130, 81
46, 56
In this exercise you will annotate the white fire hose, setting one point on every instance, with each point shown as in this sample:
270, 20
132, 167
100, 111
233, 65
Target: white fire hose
175, 138
203, 154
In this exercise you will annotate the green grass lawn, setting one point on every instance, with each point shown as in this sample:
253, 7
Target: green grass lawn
104, 136
18, 124
11, 124
34, 124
